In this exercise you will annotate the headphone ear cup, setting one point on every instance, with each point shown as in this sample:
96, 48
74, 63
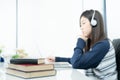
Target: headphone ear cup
93, 22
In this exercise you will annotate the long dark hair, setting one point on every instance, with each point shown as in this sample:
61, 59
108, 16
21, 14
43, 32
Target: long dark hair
98, 32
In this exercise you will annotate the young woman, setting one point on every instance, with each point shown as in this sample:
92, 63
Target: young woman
94, 52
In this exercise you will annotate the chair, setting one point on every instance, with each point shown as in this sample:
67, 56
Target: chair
116, 44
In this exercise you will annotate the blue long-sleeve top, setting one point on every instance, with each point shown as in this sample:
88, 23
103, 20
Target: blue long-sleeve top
90, 59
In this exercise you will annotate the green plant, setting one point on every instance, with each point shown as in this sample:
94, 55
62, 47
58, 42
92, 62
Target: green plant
1, 48
0, 51
15, 56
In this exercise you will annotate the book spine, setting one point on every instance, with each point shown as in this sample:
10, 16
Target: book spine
24, 61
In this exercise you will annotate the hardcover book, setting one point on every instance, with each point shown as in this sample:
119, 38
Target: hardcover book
27, 61
31, 67
30, 74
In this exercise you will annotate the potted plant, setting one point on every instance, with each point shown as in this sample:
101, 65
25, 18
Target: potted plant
20, 54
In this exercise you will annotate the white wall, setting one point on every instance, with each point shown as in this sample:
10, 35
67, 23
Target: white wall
8, 26
113, 16
93, 4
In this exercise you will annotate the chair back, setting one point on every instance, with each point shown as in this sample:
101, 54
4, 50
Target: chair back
116, 44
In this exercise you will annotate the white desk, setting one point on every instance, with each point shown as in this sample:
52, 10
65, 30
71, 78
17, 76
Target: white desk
62, 74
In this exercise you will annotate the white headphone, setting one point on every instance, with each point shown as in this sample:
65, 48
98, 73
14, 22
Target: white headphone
93, 21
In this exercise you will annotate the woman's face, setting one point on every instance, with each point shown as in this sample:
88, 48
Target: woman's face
86, 27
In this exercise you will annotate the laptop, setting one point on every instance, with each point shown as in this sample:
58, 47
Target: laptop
56, 64
61, 64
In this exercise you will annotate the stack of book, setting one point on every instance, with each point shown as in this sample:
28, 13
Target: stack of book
30, 68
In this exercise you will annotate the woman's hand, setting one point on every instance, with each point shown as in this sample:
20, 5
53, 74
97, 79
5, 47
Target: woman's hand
82, 36
50, 59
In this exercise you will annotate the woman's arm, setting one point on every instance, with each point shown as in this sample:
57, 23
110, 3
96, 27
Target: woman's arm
63, 59
91, 58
